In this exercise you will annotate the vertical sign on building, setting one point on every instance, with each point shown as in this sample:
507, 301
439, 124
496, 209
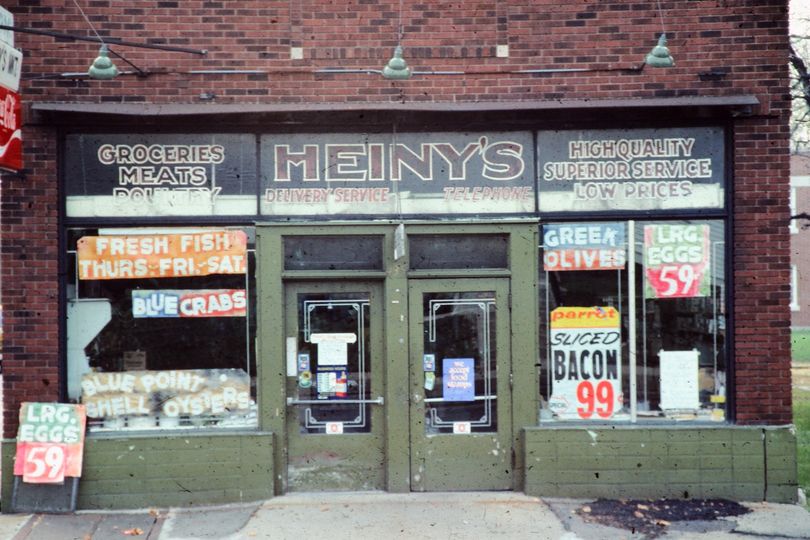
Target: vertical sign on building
676, 260
10, 109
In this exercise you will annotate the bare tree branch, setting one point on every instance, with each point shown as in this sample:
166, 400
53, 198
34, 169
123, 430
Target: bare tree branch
800, 66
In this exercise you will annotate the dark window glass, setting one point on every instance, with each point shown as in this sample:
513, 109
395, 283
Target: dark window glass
680, 321
444, 252
333, 253
333, 345
172, 351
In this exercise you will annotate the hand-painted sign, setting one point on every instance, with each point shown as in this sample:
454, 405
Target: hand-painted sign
50, 442
458, 379
583, 246
189, 303
676, 260
162, 255
6, 19
160, 175
10, 130
10, 66
639, 169
166, 394
410, 173
585, 364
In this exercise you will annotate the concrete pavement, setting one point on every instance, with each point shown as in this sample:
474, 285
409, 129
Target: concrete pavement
336, 516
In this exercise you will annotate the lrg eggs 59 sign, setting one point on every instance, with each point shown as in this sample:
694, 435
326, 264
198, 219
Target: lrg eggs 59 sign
50, 442
677, 260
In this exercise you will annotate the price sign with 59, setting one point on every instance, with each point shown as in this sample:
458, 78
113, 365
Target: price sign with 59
45, 463
677, 281
676, 260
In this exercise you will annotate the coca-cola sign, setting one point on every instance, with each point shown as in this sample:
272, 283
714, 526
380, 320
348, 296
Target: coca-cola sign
10, 132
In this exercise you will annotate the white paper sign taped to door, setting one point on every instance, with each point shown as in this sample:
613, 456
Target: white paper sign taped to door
333, 348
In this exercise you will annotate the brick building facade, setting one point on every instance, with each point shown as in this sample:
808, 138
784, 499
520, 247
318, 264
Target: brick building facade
308, 72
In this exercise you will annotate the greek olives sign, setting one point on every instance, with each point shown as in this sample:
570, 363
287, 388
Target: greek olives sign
160, 175
583, 246
641, 169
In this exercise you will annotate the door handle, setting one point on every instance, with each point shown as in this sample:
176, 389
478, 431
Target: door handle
379, 401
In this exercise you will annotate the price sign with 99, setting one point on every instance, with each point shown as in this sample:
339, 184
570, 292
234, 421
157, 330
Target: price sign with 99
45, 463
599, 398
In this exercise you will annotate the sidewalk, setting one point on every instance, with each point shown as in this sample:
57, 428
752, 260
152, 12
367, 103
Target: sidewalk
337, 516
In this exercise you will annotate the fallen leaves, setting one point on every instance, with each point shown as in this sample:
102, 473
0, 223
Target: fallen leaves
134, 531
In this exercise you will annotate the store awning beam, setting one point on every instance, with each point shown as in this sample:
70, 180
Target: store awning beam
741, 105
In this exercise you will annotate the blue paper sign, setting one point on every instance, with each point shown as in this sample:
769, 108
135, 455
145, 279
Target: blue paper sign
459, 379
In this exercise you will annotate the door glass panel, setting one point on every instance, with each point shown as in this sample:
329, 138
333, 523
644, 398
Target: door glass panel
459, 362
334, 369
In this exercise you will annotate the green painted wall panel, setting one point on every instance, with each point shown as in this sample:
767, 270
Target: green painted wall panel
638, 461
169, 470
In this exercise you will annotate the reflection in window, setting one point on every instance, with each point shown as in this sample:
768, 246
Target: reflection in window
159, 326
677, 315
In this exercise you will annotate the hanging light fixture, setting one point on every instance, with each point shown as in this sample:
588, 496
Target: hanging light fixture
397, 68
660, 56
102, 67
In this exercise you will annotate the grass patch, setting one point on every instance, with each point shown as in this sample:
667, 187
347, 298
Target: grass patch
800, 345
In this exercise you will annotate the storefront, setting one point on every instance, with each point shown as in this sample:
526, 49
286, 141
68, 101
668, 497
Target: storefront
533, 266
542, 310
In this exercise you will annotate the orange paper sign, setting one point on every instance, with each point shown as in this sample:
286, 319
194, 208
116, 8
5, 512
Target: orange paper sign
162, 255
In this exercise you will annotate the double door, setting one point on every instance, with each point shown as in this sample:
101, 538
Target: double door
341, 388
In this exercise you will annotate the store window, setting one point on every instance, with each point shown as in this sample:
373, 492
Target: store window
634, 321
160, 327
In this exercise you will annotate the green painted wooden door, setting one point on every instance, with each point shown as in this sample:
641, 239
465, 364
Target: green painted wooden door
335, 423
460, 385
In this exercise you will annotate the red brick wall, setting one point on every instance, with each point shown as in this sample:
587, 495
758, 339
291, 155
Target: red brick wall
30, 286
721, 47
